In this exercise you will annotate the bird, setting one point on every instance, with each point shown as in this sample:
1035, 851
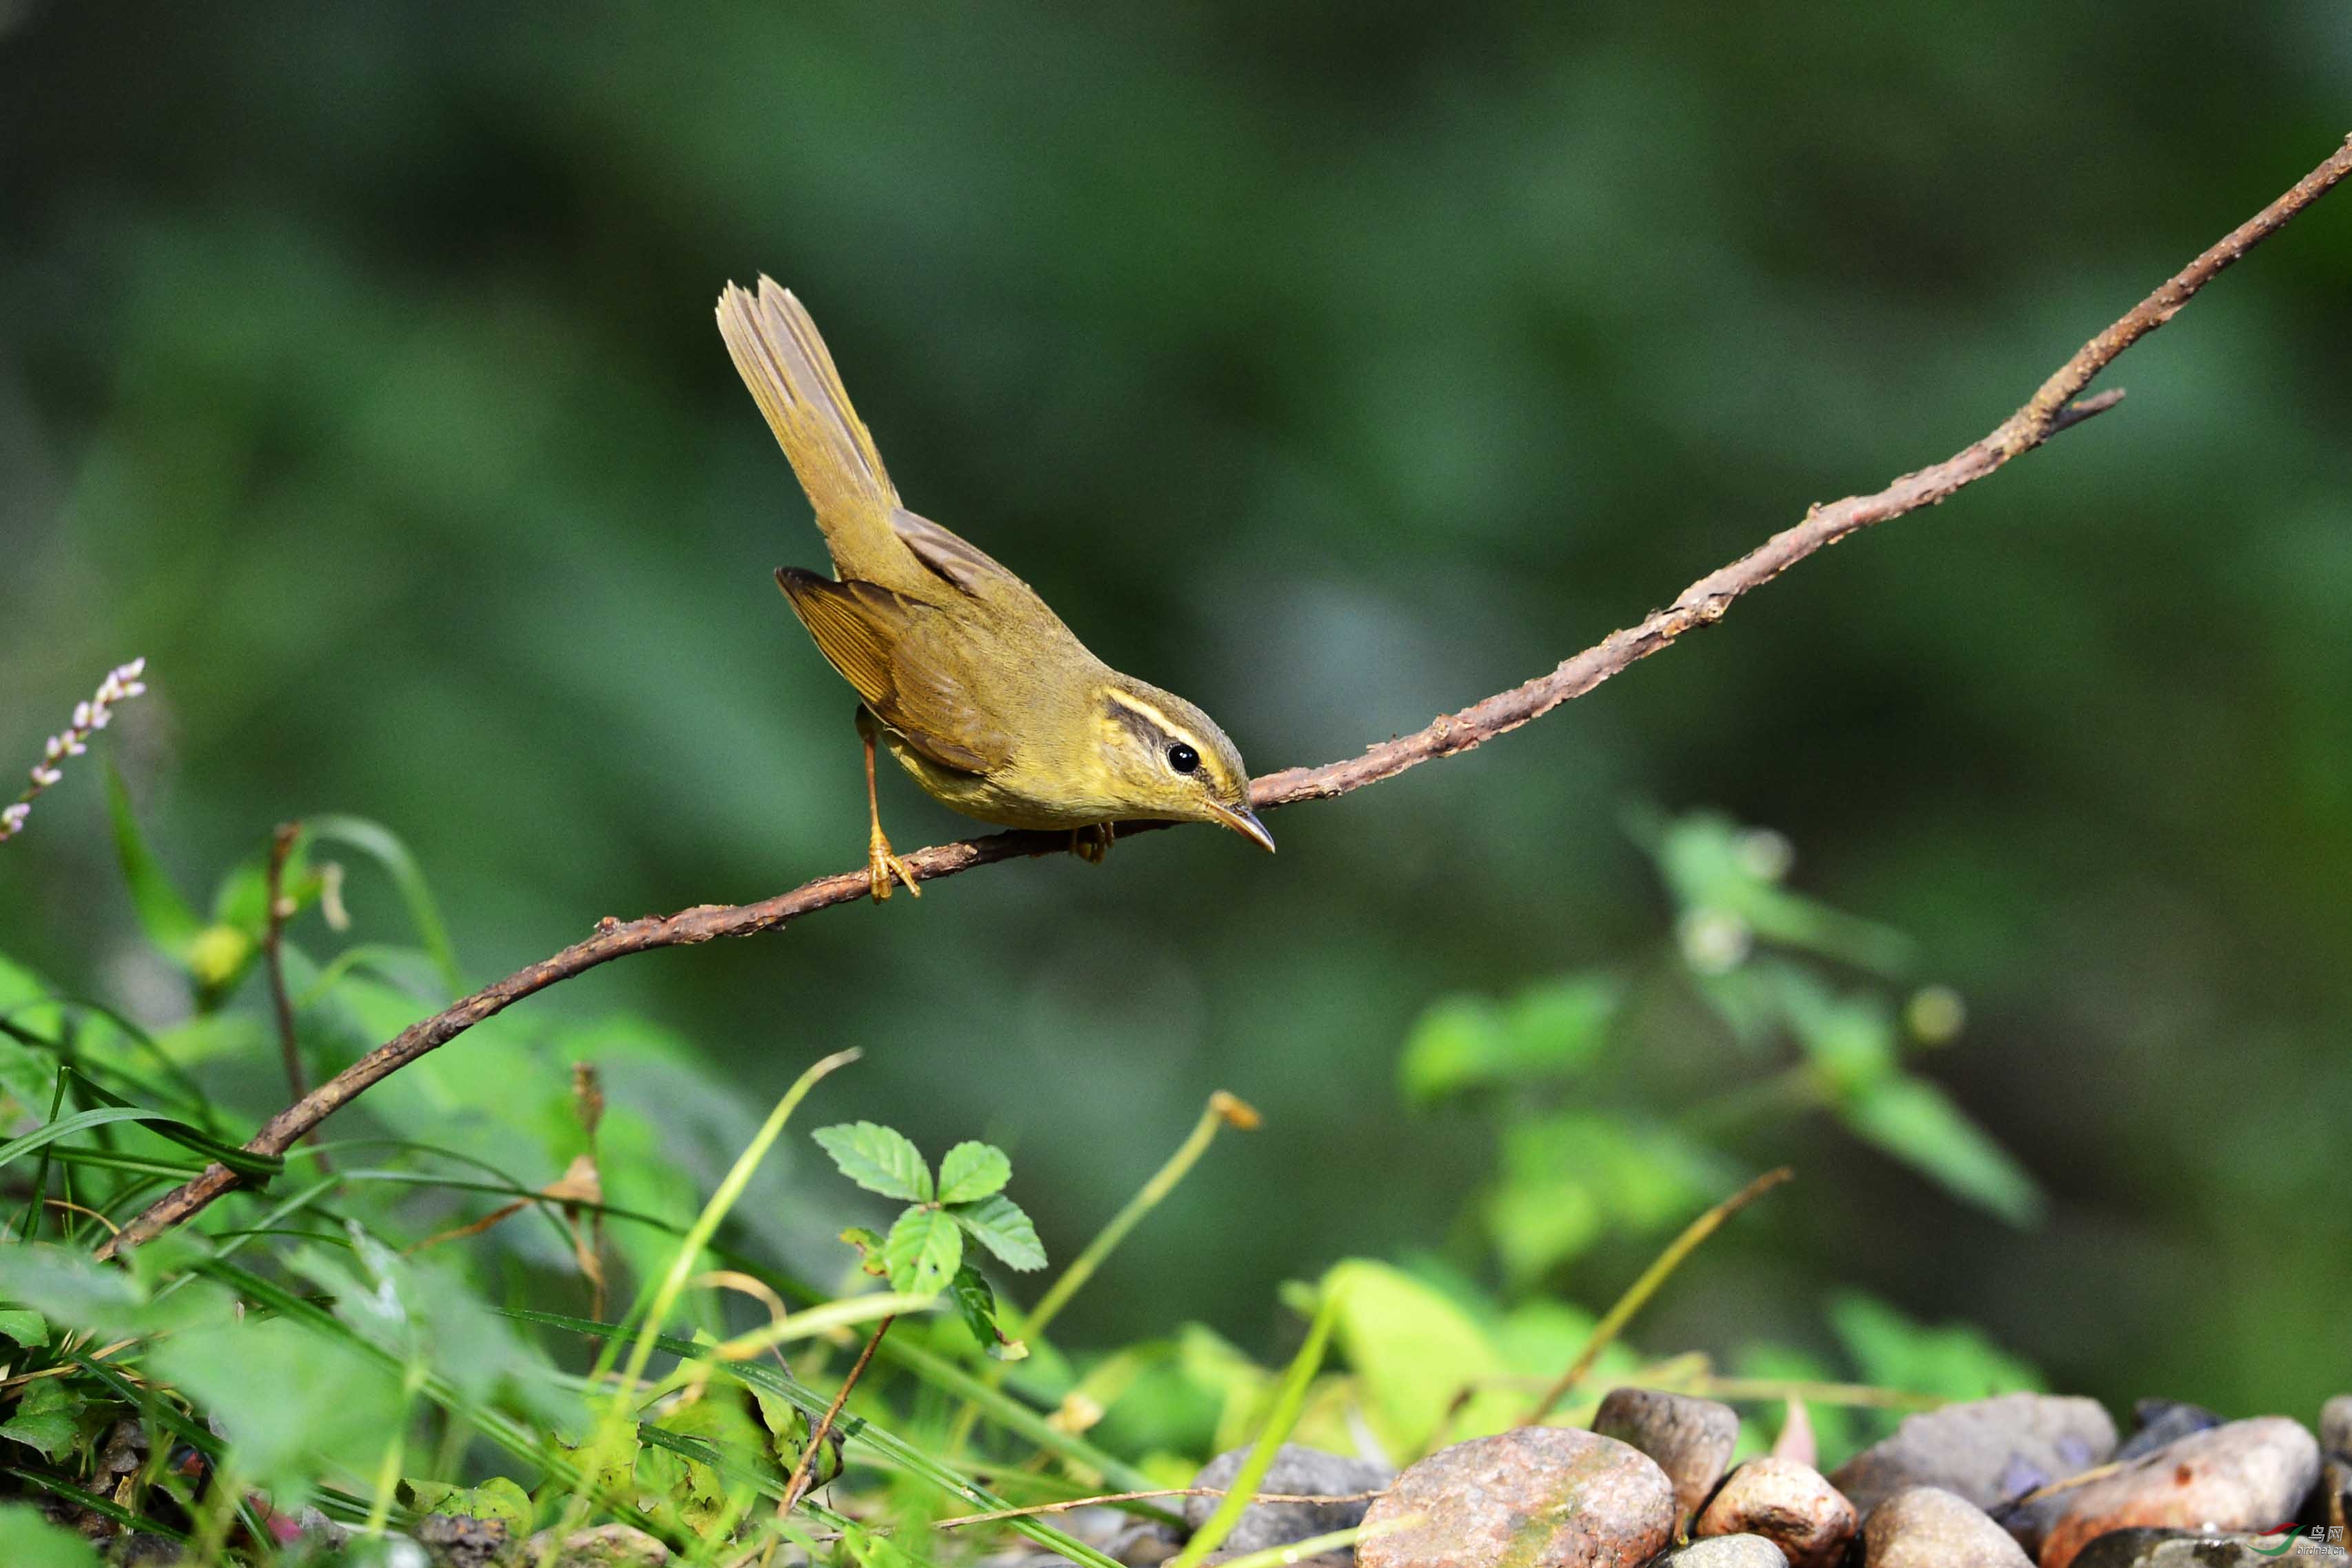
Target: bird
962, 672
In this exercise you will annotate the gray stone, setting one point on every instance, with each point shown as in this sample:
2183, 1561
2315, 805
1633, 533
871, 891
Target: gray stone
2187, 1549
2336, 1427
1927, 1527
2246, 1475
2155, 1422
1297, 1472
601, 1546
1725, 1552
1690, 1439
1988, 1451
1146, 1543
1789, 1504
461, 1541
1539, 1496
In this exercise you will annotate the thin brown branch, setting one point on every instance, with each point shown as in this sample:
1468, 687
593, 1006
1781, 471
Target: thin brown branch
281, 909
273, 939
806, 1469
2052, 409
1102, 1499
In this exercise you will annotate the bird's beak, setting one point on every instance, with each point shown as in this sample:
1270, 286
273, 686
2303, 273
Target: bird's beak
1245, 822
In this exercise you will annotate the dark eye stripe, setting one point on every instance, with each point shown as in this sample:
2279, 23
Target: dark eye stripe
1152, 728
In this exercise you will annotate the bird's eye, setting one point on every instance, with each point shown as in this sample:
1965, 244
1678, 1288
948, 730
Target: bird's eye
1184, 758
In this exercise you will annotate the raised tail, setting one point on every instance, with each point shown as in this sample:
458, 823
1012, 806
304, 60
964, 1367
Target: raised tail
782, 359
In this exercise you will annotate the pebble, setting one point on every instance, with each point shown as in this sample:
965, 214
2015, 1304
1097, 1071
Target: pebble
1725, 1552
2157, 1421
1300, 1472
1987, 1450
2188, 1549
2247, 1475
1539, 1496
1787, 1503
460, 1540
603, 1546
2335, 1426
1927, 1527
1691, 1439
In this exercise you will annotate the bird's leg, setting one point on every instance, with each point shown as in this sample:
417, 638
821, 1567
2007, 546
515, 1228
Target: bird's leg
880, 864
1091, 843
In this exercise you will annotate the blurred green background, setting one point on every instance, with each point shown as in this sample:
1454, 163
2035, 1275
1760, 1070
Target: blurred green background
1333, 365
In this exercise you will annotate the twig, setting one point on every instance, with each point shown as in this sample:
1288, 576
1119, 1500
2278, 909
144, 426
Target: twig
1100, 1499
281, 909
806, 1469
2052, 409
1638, 1294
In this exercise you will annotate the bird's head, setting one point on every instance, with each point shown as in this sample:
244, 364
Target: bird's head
1167, 761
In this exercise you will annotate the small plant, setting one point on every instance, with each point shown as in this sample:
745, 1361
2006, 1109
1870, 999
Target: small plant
924, 1252
1777, 1005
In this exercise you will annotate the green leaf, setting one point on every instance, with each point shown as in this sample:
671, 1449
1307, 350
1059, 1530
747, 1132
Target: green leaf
869, 1248
975, 1301
1414, 1353
1570, 1179
1291, 1399
162, 913
162, 1121
497, 1497
877, 1158
29, 1540
244, 1162
923, 1251
1550, 1031
27, 1328
1917, 1123
1000, 1224
47, 1418
383, 845
1953, 1360
972, 1170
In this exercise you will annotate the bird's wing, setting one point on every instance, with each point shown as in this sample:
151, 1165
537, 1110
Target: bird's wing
784, 361
889, 649
954, 559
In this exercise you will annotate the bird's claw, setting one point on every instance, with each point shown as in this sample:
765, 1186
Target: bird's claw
881, 866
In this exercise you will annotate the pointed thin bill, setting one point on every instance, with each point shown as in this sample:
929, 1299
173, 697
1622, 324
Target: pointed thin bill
1245, 822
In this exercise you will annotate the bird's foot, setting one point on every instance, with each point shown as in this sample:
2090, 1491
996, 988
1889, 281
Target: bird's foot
881, 866
1091, 843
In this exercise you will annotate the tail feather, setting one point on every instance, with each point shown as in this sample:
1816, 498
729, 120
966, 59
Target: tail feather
781, 357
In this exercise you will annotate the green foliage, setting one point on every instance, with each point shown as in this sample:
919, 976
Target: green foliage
924, 1252
29, 1540
1578, 1161
329, 1337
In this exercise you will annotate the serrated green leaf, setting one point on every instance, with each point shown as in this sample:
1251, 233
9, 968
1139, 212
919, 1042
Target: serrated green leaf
1917, 1123
971, 1171
27, 1327
923, 1252
1000, 1224
879, 1159
975, 1301
497, 1497
47, 1418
